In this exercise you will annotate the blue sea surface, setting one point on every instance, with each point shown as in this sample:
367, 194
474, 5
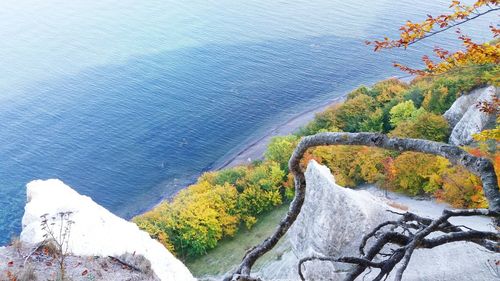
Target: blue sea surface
129, 101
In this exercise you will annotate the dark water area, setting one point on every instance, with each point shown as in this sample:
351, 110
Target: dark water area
131, 132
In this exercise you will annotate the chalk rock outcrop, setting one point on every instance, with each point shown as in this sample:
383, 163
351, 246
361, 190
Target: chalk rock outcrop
322, 228
96, 231
466, 119
331, 223
334, 219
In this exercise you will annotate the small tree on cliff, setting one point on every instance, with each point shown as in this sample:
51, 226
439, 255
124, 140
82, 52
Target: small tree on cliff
57, 233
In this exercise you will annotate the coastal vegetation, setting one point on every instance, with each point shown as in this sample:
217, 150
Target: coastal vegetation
229, 251
414, 229
223, 202
216, 206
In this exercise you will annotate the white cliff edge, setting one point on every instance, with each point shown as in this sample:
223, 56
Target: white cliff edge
465, 117
334, 219
96, 231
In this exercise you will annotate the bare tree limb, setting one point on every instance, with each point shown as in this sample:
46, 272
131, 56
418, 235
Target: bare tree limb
353, 260
412, 241
118, 260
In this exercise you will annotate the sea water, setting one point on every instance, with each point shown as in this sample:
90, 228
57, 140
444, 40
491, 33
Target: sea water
129, 101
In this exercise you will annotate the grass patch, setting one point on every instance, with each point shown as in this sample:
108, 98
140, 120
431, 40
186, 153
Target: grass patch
230, 251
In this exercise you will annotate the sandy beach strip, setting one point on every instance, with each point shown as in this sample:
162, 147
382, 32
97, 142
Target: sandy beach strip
256, 148
253, 150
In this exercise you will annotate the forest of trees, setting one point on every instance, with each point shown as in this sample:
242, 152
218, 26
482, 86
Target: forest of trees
221, 202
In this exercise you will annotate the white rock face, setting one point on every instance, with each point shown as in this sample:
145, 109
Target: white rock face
96, 231
325, 227
465, 118
321, 227
334, 219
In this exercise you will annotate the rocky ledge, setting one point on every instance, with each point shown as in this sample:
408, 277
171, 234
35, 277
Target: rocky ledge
465, 117
97, 240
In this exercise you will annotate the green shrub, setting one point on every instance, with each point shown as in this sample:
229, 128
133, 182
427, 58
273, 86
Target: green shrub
349, 116
280, 150
425, 126
402, 112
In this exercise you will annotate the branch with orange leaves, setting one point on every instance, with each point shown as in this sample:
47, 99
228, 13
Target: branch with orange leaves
473, 53
412, 32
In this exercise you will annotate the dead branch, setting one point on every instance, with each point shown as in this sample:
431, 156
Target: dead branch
124, 263
415, 238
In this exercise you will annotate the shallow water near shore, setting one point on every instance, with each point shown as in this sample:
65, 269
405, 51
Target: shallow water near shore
128, 102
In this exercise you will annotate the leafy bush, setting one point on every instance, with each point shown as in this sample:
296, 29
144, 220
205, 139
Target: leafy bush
352, 165
425, 126
195, 220
374, 122
388, 90
402, 112
323, 121
213, 208
280, 150
417, 173
461, 189
353, 112
415, 94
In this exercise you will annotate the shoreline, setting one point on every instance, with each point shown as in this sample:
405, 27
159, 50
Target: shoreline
252, 149
256, 148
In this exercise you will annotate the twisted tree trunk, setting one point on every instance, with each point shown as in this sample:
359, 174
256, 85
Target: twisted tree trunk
479, 166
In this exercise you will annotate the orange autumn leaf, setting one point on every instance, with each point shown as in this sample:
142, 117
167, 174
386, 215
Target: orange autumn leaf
472, 53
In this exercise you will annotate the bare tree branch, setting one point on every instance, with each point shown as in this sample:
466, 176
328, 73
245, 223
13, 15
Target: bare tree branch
353, 260
410, 242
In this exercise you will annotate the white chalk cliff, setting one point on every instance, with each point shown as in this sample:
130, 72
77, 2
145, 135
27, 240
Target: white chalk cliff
465, 117
334, 219
96, 231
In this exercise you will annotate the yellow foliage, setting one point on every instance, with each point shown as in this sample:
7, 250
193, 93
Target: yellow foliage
462, 189
416, 173
492, 134
352, 165
389, 90
473, 53
209, 207
369, 161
